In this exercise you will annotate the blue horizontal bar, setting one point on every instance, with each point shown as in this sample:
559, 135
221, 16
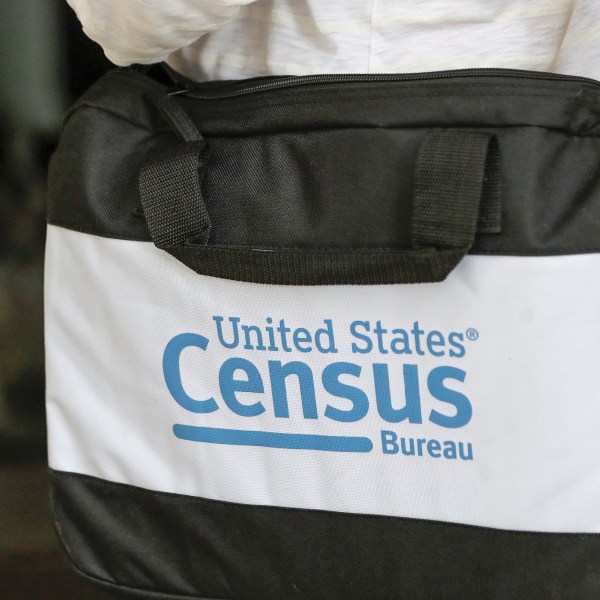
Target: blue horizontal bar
268, 439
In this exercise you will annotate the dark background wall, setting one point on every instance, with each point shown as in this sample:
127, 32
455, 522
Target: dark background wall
45, 63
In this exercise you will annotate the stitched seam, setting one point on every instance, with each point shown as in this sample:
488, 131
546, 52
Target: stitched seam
513, 252
588, 133
114, 584
253, 102
93, 231
104, 483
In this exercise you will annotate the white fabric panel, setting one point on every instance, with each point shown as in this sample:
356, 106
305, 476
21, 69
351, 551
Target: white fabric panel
531, 378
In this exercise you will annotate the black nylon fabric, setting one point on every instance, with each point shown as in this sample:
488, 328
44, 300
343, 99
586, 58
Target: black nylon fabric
448, 204
334, 166
184, 547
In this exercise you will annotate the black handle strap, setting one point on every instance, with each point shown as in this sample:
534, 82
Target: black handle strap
457, 188
170, 181
457, 194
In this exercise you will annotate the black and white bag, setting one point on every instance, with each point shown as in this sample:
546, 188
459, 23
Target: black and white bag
328, 337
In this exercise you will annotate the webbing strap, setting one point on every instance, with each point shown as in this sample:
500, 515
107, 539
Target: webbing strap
171, 197
284, 266
457, 189
170, 181
175, 116
457, 193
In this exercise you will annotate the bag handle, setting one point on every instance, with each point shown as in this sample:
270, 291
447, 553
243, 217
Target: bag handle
457, 194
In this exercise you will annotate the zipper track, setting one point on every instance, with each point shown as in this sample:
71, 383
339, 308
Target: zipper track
235, 89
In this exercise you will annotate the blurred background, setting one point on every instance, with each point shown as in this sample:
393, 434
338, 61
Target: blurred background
45, 63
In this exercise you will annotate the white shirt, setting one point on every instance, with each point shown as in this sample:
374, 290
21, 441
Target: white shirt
233, 39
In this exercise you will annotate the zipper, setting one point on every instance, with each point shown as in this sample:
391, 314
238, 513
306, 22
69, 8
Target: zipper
217, 90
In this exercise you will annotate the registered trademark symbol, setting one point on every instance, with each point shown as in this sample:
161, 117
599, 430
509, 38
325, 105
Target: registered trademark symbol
472, 334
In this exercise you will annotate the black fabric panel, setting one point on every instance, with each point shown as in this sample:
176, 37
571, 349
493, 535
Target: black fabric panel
320, 188
185, 547
334, 167
94, 172
119, 591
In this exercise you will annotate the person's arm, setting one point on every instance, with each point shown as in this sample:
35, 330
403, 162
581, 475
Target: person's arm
147, 31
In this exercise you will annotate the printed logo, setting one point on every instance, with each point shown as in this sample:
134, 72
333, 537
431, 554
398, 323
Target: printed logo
351, 390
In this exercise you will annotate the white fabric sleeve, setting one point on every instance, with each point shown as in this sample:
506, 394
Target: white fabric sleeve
147, 31
578, 54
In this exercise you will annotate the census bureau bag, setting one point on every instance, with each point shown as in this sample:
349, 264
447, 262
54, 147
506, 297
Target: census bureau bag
329, 337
